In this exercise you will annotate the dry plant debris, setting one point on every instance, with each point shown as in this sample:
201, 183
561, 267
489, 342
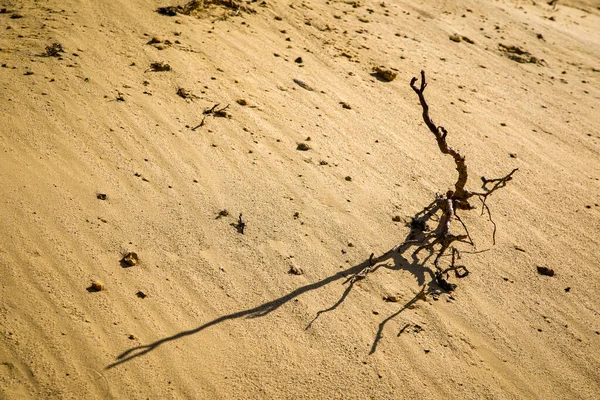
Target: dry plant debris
241, 225
303, 85
221, 112
53, 50
160, 67
447, 205
519, 55
196, 7
184, 94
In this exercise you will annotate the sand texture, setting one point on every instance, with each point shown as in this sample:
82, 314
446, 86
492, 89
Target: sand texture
124, 130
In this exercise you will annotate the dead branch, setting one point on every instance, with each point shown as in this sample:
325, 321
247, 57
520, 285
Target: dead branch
201, 124
441, 239
217, 113
440, 134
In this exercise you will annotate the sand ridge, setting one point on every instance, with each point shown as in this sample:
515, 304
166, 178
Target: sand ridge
223, 317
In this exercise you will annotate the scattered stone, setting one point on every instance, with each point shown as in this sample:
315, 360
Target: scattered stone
384, 73
155, 40
101, 196
568, 289
323, 162
222, 213
348, 178
345, 105
96, 287
426, 351
130, 259
375, 312
131, 337
184, 94
303, 147
459, 38
298, 60
296, 270
16, 16
396, 218
392, 298
513, 155
141, 294
296, 215
242, 102
455, 38
542, 270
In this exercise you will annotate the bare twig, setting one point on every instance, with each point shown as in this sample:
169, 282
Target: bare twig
201, 124
241, 225
210, 111
217, 113
440, 134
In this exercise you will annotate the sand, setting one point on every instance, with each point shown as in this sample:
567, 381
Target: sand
220, 315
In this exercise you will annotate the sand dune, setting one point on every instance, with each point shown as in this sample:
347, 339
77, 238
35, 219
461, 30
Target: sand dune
209, 312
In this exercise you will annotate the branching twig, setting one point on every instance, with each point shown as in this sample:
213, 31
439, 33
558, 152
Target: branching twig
210, 111
448, 204
201, 124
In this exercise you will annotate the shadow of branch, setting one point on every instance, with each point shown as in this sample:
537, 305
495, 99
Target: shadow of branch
255, 312
379, 335
416, 267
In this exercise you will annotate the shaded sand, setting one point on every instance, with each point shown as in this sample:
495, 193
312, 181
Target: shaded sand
223, 318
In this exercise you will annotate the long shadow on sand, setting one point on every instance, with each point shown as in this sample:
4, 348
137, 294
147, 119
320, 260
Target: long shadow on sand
398, 262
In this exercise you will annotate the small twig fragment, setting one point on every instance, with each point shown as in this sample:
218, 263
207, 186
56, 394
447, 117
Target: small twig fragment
241, 225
